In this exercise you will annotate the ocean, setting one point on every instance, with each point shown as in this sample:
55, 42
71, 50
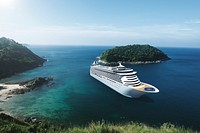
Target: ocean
77, 99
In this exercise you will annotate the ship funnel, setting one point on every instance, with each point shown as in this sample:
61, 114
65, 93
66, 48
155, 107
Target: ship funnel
120, 65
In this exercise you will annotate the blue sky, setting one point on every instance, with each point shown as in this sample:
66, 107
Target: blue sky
102, 22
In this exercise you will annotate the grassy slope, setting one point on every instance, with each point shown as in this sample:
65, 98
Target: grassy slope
98, 127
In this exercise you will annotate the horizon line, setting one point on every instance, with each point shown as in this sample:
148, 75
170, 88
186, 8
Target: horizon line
107, 45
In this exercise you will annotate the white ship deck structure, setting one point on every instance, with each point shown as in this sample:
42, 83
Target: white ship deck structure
121, 79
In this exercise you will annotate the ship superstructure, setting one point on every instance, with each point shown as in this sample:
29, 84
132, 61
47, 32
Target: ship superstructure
121, 79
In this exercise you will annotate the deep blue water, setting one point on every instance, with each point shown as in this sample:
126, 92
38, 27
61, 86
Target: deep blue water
77, 98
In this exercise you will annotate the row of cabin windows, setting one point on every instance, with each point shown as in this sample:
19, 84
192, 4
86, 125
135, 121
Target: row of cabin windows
110, 75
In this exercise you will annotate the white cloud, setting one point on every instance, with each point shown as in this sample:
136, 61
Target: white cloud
103, 35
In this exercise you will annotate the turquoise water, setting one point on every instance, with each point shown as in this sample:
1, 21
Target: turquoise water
77, 98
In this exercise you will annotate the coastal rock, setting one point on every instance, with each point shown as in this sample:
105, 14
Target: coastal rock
15, 58
1, 88
36, 82
31, 120
18, 91
31, 85
9, 118
23, 87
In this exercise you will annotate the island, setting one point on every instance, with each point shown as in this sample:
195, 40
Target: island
16, 58
134, 54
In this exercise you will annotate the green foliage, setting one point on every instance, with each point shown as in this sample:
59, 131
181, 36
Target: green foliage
15, 57
103, 127
133, 53
94, 127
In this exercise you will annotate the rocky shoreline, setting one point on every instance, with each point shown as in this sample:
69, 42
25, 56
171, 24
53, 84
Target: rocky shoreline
9, 118
23, 121
9, 89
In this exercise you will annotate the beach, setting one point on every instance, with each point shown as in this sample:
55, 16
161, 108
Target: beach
7, 90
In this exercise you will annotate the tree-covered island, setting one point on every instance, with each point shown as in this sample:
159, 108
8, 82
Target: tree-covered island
134, 54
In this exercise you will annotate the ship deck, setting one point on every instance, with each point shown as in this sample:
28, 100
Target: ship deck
104, 67
142, 87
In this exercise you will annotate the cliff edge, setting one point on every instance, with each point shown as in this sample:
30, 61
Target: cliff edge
15, 58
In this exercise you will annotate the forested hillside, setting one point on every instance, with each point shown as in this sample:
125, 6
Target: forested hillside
15, 57
133, 53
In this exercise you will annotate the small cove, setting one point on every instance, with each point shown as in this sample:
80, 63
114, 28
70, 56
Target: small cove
77, 98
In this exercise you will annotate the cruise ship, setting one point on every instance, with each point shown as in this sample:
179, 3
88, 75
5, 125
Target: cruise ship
121, 79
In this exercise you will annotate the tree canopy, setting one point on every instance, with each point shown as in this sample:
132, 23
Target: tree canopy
133, 53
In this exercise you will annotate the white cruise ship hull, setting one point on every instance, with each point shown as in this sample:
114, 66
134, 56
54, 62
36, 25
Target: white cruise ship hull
119, 87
